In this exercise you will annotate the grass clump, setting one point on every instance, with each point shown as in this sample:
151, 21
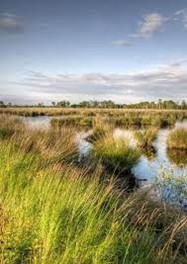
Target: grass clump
116, 153
145, 138
177, 157
177, 139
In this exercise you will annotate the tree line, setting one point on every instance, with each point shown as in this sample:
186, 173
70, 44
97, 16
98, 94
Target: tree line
160, 104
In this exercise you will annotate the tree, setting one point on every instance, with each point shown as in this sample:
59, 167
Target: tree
63, 103
2, 104
40, 105
159, 103
183, 104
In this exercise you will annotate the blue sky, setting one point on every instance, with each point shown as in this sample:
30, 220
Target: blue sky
127, 51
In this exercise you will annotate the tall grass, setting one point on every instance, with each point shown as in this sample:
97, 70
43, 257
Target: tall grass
57, 145
53, 212
57, 215
9, 125
177, 138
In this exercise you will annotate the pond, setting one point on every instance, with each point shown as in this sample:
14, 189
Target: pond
150, 162
149, 165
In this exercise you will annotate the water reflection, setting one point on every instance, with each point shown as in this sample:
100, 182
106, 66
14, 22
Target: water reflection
40, 122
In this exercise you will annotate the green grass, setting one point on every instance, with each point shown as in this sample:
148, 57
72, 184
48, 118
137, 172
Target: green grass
93, 117
56, 215
115, 153
177, 138
79, 121
54, 212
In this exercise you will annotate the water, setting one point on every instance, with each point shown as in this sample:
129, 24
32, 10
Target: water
148, 168
39, 122
149, 164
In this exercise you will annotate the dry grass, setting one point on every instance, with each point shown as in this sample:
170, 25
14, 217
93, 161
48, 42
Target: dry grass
177, 138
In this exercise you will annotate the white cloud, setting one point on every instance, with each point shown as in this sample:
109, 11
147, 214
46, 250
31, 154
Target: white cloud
167, 81
10, 23
150, 24
181, 15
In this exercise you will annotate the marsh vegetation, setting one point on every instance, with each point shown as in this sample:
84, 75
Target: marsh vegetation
56, 210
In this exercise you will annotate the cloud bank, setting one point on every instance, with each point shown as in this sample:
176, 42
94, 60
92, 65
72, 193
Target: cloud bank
169, 81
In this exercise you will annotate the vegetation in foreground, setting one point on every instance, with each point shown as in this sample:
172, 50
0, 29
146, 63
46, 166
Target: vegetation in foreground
177, 139
54, 212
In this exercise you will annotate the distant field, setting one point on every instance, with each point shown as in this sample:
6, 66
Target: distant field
50, 111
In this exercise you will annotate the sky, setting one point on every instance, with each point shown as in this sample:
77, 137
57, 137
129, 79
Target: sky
125, 51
